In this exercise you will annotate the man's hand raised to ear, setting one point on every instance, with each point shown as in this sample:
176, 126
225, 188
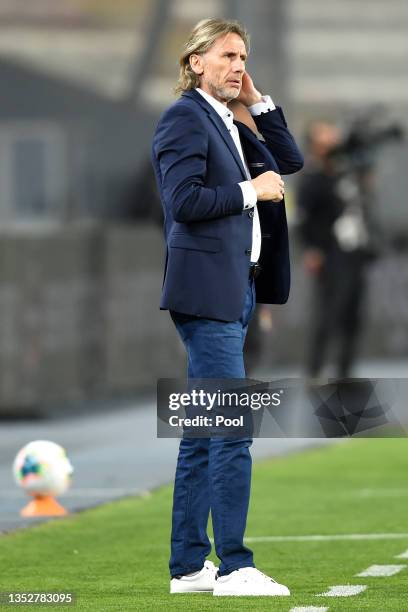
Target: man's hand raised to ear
248, 95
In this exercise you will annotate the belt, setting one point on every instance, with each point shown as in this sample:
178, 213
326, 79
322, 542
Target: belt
254, 270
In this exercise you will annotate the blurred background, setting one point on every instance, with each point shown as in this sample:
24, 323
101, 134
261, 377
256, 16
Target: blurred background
82, 85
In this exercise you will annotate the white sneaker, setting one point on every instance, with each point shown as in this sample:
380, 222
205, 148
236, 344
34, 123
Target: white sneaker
248, 581
201, 582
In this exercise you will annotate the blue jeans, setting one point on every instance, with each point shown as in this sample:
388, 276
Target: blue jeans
212, 473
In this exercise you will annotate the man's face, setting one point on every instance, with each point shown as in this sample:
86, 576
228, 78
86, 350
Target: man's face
221, 67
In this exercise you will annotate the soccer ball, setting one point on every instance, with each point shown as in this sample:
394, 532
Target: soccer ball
42, 468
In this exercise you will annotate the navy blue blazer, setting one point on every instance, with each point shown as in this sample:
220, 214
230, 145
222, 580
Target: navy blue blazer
208, 235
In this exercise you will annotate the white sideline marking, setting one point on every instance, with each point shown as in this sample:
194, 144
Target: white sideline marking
329, 538
403, 555
344, 590
308, 609
383, 493
381, 570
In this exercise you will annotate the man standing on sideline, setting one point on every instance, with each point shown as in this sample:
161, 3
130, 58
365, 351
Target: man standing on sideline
225, 225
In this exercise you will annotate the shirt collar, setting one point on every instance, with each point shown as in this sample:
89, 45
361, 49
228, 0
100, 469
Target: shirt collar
223, 111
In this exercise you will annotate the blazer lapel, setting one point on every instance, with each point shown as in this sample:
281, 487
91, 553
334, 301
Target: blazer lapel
222, 128
258, 157
219, 124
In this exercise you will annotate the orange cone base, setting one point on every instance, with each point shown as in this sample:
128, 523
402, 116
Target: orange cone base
43, 506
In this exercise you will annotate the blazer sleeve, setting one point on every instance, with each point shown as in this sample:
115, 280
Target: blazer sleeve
179, 153
280, 142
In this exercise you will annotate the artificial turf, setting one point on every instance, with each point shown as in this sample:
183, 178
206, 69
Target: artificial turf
115, 557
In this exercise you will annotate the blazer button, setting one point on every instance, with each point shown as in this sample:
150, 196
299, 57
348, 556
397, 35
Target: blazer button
251, 214
248, 251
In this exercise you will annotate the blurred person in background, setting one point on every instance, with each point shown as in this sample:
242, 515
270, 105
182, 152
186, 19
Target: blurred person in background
338, 235
220, 187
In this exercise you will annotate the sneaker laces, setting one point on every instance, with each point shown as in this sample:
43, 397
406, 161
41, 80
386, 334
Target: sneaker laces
256, 575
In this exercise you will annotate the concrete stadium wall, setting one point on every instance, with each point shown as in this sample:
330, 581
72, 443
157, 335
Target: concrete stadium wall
79, 315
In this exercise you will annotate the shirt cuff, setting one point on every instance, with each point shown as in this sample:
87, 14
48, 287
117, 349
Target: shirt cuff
249, 194
262, 107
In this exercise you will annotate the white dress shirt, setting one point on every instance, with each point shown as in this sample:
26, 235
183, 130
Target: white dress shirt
248, 190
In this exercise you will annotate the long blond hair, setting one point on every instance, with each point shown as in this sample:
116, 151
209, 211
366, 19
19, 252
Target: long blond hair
203, 36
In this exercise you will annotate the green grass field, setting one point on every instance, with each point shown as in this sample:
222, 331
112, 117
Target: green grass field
115, 557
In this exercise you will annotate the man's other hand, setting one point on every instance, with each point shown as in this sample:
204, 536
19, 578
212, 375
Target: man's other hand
269, 186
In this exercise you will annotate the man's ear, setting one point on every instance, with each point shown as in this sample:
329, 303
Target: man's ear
196, 63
